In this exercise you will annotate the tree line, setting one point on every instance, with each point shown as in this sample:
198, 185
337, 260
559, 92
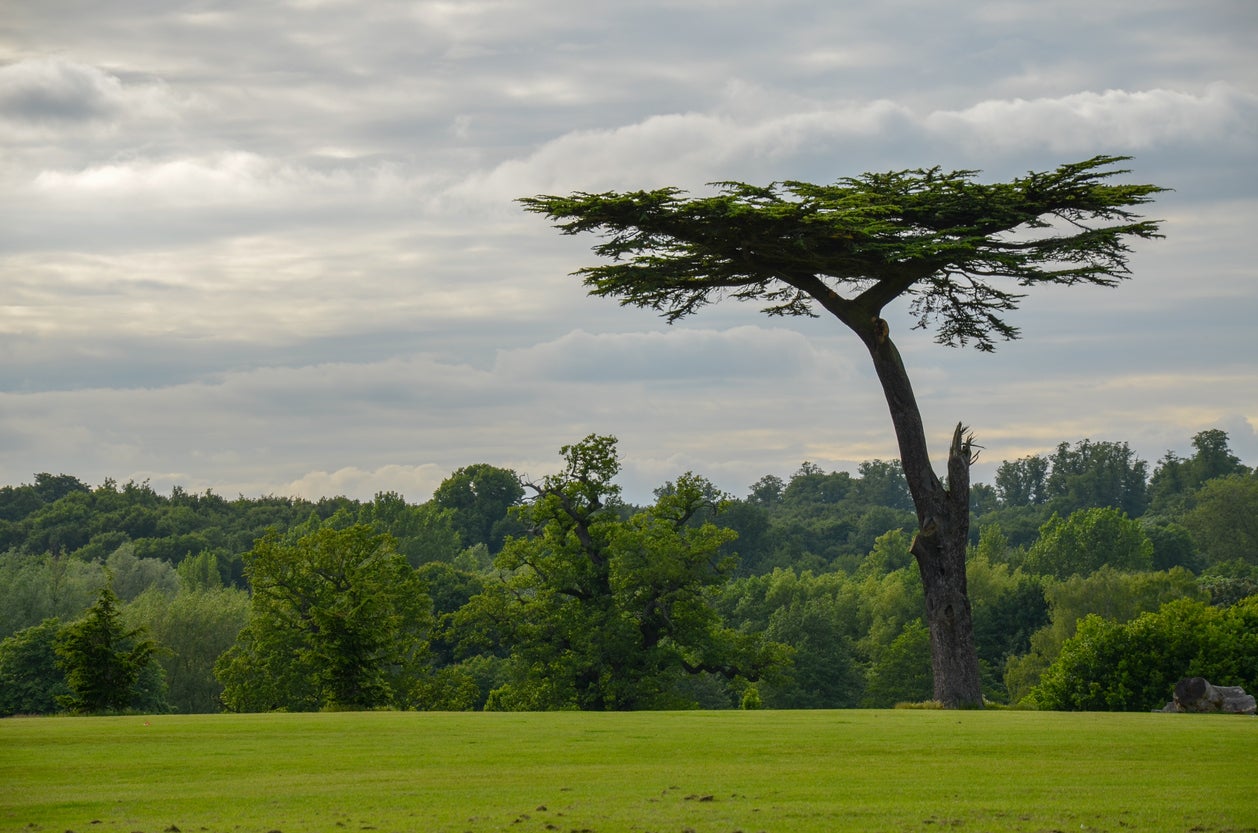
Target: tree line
505, 593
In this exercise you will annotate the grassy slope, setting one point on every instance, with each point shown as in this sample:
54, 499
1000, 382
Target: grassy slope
710, 772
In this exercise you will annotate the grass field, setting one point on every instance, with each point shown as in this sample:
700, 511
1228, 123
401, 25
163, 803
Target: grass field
706, 772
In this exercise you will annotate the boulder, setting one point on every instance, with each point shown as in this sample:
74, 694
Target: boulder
1196, 694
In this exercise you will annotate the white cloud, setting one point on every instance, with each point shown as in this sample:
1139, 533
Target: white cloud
685, 148
416, 483
1114, 120
236, 178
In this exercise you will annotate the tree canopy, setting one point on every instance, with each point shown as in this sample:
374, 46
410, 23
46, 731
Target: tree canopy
852, 247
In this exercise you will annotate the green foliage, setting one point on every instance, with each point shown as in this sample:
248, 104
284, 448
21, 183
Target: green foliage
105, 663
194, 629
1173, 545
478, 497
423, 534
1097, 474
826, 672
1175, 479
767, 491
63, 526
17, 502
1019, 526
882, 483
1133, 666
816, 564
132, 576
448, 689
818, 520
1023, 482
901, 671
601, 612
890, 553
1108, 593
820, 618
35, 588
31, 682
338, 619
200, 572
1088, 540
938, 237
1085, 475
1224, 519
1009, 606
888, 603
1229, 582
994, 547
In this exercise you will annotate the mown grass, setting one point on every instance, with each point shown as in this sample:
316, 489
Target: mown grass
707, 772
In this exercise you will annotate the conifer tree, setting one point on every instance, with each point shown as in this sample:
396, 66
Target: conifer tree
102, 660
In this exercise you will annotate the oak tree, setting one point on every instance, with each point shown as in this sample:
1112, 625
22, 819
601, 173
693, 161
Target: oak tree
940, 240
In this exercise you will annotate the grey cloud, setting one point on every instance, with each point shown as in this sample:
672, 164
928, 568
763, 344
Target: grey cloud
693, 357
53, 90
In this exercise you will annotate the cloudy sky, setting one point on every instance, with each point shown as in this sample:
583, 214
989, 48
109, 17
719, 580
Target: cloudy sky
270, 246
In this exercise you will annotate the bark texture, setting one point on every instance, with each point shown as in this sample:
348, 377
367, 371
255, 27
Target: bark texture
943, 518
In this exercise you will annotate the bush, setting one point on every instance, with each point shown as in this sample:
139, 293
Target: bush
1107, 666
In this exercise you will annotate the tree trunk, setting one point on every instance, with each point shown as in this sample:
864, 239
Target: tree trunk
943, 518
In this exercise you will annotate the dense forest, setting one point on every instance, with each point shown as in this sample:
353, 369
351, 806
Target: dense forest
1096, 580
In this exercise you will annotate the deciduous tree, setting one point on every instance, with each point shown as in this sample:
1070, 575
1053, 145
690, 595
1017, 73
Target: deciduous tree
1023, 482
194, 629
1088, 540
601, 612
1224, 519
30, 680
338, 619
940, 240
479, 497
1176, 478
422, 533
1093, 474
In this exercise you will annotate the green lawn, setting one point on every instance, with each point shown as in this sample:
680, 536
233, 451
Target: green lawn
707, 772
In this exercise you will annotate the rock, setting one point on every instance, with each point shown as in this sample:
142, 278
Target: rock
1196, 694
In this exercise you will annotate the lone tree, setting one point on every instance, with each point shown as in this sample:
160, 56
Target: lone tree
939, 239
